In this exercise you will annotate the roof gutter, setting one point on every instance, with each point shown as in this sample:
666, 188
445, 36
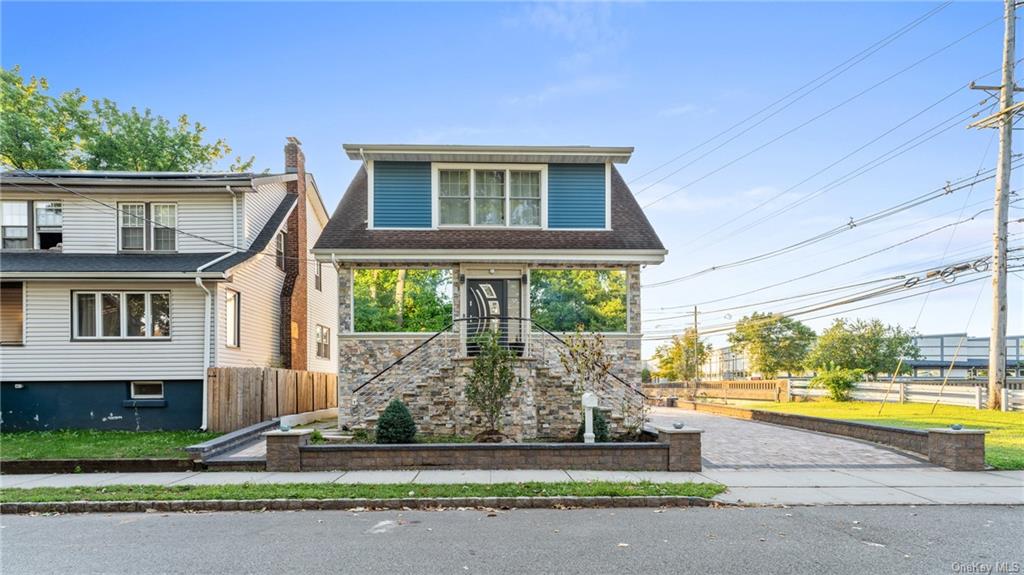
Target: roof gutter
208, 300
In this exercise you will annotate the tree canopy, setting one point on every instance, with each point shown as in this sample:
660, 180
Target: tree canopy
870, 346
394, 300
68, 131
681, 358
772, 343
563, 300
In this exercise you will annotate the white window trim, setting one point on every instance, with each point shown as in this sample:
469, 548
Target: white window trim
238, 319
435, 170
123, 313
153, 226
134, 395
37, 229
120, 225
322, 334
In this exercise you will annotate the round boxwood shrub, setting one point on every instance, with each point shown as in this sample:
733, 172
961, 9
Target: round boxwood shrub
395, 424
601, 434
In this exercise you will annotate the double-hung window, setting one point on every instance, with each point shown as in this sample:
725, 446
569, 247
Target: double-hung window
279, 249
165, 220
132, 228
121, 315
232, 318
323, 342
318, 276
489, 196
49, 224
15, 225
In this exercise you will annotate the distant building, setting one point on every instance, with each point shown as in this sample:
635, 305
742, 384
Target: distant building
962, 356
725, 363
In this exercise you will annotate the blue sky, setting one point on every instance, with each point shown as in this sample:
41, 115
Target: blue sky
661, 77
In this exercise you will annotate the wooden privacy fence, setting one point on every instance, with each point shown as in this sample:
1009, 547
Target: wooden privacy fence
769, 389
243, 396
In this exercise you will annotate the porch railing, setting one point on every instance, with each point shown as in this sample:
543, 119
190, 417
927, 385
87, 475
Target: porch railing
527, 338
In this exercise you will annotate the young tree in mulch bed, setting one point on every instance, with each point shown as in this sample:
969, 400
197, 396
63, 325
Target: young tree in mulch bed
490, 384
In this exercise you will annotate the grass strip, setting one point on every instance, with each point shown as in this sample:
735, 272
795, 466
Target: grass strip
1004, 445
97, 444
245, 491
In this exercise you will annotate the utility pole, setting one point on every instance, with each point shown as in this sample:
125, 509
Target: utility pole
696, 346
1004, 120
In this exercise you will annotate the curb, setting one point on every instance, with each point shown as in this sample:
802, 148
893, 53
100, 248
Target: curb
353, 504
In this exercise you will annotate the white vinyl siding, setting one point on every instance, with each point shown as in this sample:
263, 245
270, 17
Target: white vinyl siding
258, 283
49, 352
323, 303
92, 228
259, 206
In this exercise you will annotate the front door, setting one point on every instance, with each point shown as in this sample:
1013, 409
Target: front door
486, 306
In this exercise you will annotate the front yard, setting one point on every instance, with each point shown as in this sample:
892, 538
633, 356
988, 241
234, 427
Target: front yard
94, 444
1004, 445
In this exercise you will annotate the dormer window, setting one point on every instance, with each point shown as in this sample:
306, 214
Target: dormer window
133, 227
15, 226
489, 196
147, 227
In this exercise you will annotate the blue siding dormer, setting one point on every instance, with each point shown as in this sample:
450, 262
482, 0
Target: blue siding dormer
401, 195
576, 196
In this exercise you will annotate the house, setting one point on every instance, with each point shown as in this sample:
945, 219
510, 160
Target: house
434, 244
120, 289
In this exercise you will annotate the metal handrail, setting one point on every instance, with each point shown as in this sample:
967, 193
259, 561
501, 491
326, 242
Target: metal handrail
500, 318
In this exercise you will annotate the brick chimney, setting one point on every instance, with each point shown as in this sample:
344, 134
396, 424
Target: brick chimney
294, 307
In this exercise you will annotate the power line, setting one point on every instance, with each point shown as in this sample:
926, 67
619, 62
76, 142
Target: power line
904, 147
835, 72
852, 224
822, 114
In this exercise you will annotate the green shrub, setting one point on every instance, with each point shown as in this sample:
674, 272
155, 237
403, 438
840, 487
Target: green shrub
839, 381
601, 434
316, 437
395, 424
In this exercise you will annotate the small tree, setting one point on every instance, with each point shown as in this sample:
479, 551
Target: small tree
839, 381
773, 343
871, 346
681, 359
584, 361
396, 424
491, 379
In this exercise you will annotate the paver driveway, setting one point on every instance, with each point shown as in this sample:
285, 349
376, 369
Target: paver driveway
729, 443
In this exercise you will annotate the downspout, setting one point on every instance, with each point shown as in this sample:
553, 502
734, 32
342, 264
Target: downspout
208, 300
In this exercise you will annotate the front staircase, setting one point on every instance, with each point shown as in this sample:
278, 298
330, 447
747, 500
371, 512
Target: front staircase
431, 379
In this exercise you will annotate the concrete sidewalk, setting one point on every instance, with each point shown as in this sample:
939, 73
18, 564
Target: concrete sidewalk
867, 486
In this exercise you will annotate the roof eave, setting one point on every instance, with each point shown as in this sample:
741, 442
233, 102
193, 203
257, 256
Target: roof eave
646, 257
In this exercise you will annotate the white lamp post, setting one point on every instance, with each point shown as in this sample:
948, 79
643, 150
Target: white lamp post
589, 403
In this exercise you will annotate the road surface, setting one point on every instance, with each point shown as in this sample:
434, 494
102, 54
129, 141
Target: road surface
901, 539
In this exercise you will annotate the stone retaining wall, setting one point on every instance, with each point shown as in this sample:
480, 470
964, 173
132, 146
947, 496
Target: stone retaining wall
959, 450
675, 450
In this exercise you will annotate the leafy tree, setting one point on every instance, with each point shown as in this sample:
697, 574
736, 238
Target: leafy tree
68, 131
870, 346
38, 131
839, 381
681, 359
585, 361
491, 379
389, 300
645, 375
562, 300
772, 343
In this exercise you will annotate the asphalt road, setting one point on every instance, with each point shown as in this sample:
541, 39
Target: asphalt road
797, 540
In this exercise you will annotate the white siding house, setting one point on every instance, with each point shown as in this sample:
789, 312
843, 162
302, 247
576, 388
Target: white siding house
105, 326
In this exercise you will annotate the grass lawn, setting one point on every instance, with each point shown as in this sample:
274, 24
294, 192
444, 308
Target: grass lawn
353, 491
93, 444
1004, 445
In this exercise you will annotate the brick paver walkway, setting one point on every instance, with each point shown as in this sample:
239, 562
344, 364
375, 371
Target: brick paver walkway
729, 443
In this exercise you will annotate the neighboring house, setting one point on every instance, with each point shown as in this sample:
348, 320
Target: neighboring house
435, 243
120, 289
958, 356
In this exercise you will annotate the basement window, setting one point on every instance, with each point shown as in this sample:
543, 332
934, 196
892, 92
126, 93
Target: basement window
147, 390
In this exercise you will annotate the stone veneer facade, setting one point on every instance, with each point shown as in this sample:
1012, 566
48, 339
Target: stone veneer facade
432, 381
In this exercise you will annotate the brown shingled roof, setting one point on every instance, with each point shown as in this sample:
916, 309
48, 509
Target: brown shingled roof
347, 229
